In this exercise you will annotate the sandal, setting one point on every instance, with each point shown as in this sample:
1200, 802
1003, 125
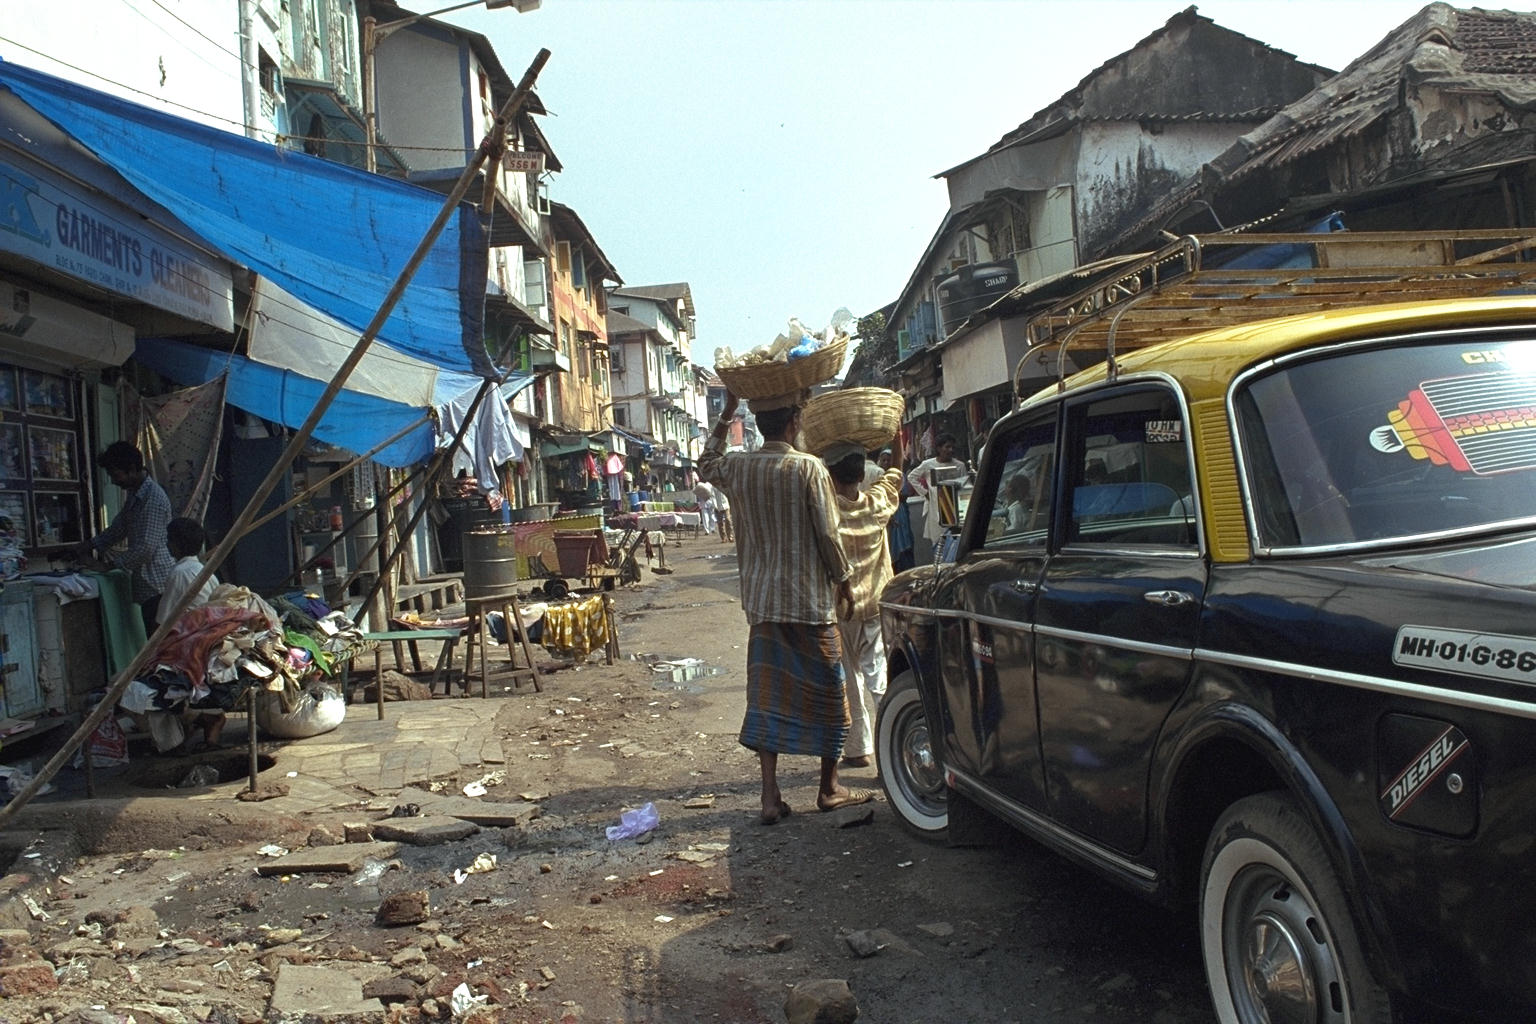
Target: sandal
848, 799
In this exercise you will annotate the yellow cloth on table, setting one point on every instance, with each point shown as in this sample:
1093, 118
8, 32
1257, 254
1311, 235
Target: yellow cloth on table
578, 627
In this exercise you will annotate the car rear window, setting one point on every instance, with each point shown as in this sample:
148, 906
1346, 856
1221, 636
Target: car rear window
1380, 445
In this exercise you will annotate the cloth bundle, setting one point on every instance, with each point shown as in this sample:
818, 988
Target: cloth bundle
576, 627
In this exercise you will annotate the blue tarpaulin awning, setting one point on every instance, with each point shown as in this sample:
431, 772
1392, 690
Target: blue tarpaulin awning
333, 236
355, 421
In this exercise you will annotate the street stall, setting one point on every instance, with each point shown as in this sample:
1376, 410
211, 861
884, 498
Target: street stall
401, 254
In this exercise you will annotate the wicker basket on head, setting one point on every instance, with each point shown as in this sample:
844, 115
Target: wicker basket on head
865, 416
765, 380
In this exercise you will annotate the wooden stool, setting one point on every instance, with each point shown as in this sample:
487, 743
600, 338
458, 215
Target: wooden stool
477, 633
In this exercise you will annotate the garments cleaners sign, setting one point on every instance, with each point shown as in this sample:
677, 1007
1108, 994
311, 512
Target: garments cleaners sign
96, 240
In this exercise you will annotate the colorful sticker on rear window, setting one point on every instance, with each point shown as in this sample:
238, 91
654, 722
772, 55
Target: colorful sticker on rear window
1482, 423
1489, 655
1164, 431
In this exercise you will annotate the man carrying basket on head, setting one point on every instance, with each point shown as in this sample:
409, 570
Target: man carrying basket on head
794, 575
864, 515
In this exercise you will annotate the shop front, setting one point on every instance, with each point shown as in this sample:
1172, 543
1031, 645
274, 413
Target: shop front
85, 272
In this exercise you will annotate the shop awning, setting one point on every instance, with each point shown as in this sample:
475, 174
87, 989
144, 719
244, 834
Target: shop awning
558, 447
334, 236
355, 420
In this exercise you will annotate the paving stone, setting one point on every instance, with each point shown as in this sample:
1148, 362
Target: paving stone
481, 812
427, 830
347, 858
320, 992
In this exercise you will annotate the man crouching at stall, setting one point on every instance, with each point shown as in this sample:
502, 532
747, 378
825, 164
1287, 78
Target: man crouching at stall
794, 577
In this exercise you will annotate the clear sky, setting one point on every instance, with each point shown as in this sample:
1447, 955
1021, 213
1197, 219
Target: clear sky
778, 155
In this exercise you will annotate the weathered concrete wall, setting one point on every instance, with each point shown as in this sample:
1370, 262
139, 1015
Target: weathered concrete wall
1125, 168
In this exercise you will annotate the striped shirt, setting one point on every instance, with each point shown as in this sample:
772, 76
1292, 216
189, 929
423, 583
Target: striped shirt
786, 530
863, 524
142, 521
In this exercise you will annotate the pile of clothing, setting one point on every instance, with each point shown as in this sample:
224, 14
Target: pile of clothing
217, 651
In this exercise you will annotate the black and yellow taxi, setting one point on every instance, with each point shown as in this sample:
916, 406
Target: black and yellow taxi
1246, 621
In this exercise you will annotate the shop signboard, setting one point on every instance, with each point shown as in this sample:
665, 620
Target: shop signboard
95, 239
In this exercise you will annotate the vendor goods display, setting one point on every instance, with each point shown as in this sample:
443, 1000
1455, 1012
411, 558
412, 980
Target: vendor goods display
868, 417
794, 361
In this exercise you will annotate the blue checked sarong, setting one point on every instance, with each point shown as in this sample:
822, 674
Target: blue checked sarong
795, 698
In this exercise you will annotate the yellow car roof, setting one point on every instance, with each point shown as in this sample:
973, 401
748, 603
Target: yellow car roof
1205, 363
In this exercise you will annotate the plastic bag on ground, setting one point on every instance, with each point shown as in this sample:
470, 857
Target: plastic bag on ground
635, 823
320, 709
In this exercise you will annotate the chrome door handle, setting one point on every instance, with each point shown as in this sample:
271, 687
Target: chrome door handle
1168, 598
1025, 586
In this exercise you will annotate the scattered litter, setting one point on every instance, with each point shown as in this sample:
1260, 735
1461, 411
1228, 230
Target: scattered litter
473, 964
37, 912
483, 863
546, 924
533, 796
406, 811
475, 789
370, 872
201, 775
273, 850
700, 802
611, 878
693, 856
904, 864
293, 775
712, 847
662, 919
462, 1000
32, 856
635, 823
658, 871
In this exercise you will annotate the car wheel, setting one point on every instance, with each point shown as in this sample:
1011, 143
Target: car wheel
556, 588
1275, 930
909, 772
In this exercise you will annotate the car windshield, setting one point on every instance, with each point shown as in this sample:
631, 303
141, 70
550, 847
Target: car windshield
1370, 446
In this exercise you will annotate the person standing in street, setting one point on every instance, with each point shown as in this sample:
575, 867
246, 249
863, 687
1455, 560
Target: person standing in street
705, 496
723, 516
794, 575
141, 522
938, 480
864, 512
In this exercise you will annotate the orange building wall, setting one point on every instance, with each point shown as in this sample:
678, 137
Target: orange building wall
582, 397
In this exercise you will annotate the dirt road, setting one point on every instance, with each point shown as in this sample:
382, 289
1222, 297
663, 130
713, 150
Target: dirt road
712, 918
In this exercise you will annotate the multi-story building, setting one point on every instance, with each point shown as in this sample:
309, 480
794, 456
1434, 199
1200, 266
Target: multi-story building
661, 392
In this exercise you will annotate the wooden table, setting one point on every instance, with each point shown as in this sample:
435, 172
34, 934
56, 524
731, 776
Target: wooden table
444, 665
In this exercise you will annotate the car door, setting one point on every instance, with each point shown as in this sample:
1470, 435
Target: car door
1118, 608
987, 644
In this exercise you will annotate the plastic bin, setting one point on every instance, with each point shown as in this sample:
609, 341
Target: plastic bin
578, 549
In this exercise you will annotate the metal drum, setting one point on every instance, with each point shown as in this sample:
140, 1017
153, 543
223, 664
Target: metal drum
490, 562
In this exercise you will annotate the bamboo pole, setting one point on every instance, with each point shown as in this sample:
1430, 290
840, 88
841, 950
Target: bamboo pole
295, 446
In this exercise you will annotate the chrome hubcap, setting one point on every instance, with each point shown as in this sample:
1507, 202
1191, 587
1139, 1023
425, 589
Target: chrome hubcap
1279, 949
925, 780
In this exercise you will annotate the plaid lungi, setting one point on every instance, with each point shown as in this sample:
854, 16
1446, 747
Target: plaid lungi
795, 698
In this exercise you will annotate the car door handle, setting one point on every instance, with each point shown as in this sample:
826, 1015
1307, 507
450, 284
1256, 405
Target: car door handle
1169, 598
1025, 586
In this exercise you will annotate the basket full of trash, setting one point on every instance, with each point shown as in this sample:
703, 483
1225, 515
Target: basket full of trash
795, 361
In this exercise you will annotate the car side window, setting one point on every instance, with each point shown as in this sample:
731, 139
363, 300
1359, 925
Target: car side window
1019, 485
1129, 473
